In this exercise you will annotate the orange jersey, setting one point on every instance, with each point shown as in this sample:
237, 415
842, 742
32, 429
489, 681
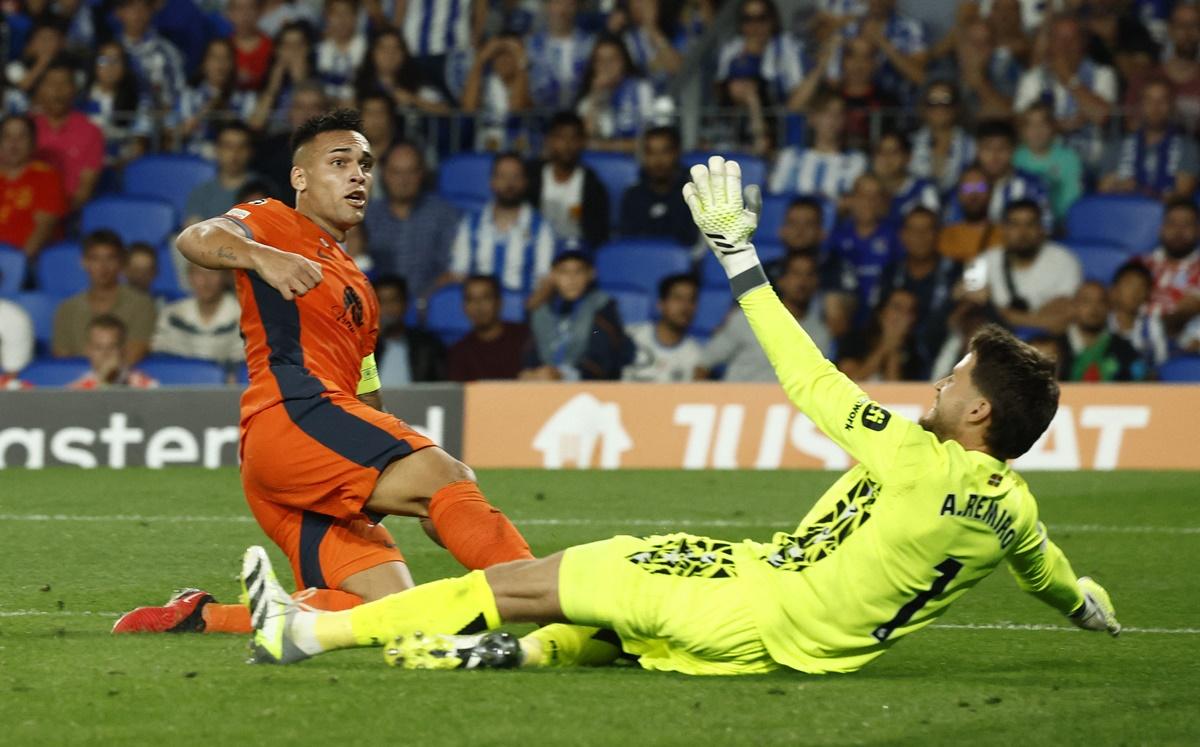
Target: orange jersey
297, 349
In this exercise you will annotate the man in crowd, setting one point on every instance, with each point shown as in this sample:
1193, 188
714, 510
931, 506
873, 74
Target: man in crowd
205, 324
964, 239
889, 163
32, 201
665, 352
803, 232
403, 354
234, 151
273, 154
996, 144
569, 195
1157, 159
67, 139
1029, 281
141, 267
410, 231
108, 363
156, 62
866, 239
1175, 266
734, 345
103, 258
651, 207
1091, 352
494, 348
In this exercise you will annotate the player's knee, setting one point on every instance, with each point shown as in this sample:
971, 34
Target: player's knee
452, 470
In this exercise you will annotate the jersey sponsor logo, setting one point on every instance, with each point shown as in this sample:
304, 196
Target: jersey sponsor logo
875, 418
854, 413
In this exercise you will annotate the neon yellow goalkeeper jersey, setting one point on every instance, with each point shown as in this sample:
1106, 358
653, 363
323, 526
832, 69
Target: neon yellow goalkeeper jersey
899, 537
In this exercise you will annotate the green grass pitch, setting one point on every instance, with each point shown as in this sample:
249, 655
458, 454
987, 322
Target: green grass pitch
1000, 669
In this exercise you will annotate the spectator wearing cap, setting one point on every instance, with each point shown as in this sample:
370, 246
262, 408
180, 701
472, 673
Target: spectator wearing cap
1028, 281
107, 351
494, 348
1043, 155
508, 237
1091, 351
411, 230
103, 258
32, 202
651, 207
568, 193
577, 333
665, 352
1158, 159
941, 148
156, 61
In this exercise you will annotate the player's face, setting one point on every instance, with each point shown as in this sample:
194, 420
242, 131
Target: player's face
678, 309
1179, 232
802, 228
102, 263
333, 178
955, 395
481, 305
571, 279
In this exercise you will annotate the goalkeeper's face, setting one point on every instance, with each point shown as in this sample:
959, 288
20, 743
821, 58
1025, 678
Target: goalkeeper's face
958, 407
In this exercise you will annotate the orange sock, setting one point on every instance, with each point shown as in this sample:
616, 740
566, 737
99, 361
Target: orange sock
235, 618
475, 532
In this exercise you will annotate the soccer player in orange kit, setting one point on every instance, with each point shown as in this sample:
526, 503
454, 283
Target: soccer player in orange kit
322, 462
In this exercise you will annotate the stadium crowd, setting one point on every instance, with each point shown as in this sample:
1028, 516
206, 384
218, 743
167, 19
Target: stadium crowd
1036, 165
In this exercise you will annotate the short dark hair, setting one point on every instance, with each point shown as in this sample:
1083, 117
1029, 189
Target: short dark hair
1181, 203
900, 138
670, 281
24, 119
667, 131
809, 202
58, 64
141, 247
398, 282
508, 155
1023, 204
921, 210
338, 120
107, 321
1019, 383
573, 254
235, 126
1134, 267
996, 128
491, 281
795, 256
565, 118
103, 237
251, 188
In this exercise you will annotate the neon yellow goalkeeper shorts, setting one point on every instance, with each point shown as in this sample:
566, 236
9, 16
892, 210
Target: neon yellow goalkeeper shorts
674, 600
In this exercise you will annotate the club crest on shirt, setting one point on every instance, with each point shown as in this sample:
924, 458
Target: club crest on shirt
350, 315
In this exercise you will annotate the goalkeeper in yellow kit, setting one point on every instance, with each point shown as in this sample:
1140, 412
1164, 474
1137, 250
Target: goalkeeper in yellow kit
929, 511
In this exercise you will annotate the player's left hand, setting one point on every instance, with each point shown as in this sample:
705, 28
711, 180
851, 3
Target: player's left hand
725, 217
1097, 612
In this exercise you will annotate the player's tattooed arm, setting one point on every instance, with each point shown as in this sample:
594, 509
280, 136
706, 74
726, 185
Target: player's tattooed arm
219, 244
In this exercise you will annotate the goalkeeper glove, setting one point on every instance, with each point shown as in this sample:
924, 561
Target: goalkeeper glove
1096, 612
714, 195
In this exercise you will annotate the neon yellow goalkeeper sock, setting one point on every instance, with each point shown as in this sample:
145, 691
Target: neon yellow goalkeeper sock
453, 605
570, 646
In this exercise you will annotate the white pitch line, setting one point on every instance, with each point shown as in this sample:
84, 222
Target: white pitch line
575, 521
1016, 627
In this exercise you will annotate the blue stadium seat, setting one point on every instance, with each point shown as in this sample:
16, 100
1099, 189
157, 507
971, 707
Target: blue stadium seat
184, 25
466, 203
175, 371
1184, 368
512, 306
466, 175
54, 371
712, 275
60, 269
168, 176
1127, 220
640, 263
133, 218
40, 306
754, 169
775, 207
12, 269
166, 282
444, 315
618, 172
1100, 260
634, 304
712, 307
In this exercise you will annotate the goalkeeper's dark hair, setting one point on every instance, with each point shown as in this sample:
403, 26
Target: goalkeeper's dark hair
338, 120
1019, 382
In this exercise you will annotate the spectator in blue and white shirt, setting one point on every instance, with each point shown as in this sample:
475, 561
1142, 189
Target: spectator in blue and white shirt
341, 50
889, 163
212, 100
1157, 159
941, 148
866, 240
825, 168
497, 91
115, 103
435, 29
507, 238
157, 62
557, 57
1133, 318
762, 52
1081, 91
648, 35
997, 141
615, 103
987, 74
901, 44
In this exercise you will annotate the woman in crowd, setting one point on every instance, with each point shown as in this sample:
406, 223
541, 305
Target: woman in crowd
212, 99
615, 102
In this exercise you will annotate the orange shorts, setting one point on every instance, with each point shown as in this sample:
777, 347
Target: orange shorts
308, 466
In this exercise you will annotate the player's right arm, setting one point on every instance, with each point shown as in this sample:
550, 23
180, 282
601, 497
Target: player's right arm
835, 404
219, 244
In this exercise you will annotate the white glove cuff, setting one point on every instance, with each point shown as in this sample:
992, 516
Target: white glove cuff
744, 258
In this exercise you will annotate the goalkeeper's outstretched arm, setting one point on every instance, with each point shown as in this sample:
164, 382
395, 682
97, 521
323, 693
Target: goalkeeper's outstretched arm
837, 405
